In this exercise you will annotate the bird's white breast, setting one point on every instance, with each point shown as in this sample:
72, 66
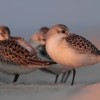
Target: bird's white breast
61, 52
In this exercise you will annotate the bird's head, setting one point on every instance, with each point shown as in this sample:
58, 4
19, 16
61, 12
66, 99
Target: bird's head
4, 32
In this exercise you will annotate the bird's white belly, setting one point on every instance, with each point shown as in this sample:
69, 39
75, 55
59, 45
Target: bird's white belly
65, 55
14, 69
56, 68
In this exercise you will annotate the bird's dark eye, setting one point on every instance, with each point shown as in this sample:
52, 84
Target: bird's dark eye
63, 31
43, 39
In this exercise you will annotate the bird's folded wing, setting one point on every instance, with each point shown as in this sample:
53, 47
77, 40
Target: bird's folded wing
12, 53
81, 44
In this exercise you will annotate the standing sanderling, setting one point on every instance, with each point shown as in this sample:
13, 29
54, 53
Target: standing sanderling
40, 38
70, 49
16, 59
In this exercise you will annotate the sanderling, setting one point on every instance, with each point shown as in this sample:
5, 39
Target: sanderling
69, 49
16, 59
40, 38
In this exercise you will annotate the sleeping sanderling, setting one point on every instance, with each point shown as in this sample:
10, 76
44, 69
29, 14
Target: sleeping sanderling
69, 49
16, 59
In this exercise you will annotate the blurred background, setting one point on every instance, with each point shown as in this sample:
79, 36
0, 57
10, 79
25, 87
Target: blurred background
25, 17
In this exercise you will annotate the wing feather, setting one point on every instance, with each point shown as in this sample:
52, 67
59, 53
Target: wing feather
81, 44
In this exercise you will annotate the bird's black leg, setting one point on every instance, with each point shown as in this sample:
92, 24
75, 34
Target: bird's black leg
15, 78
56, 78
63, 77
69, 72
74, 73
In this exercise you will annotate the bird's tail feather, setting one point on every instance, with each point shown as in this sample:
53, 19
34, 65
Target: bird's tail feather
41, 63
47, 71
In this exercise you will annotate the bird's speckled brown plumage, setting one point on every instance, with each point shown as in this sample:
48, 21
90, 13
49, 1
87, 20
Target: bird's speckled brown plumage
12, 52
81, 44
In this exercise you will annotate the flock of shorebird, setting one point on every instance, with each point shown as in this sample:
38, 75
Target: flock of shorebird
53, 50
